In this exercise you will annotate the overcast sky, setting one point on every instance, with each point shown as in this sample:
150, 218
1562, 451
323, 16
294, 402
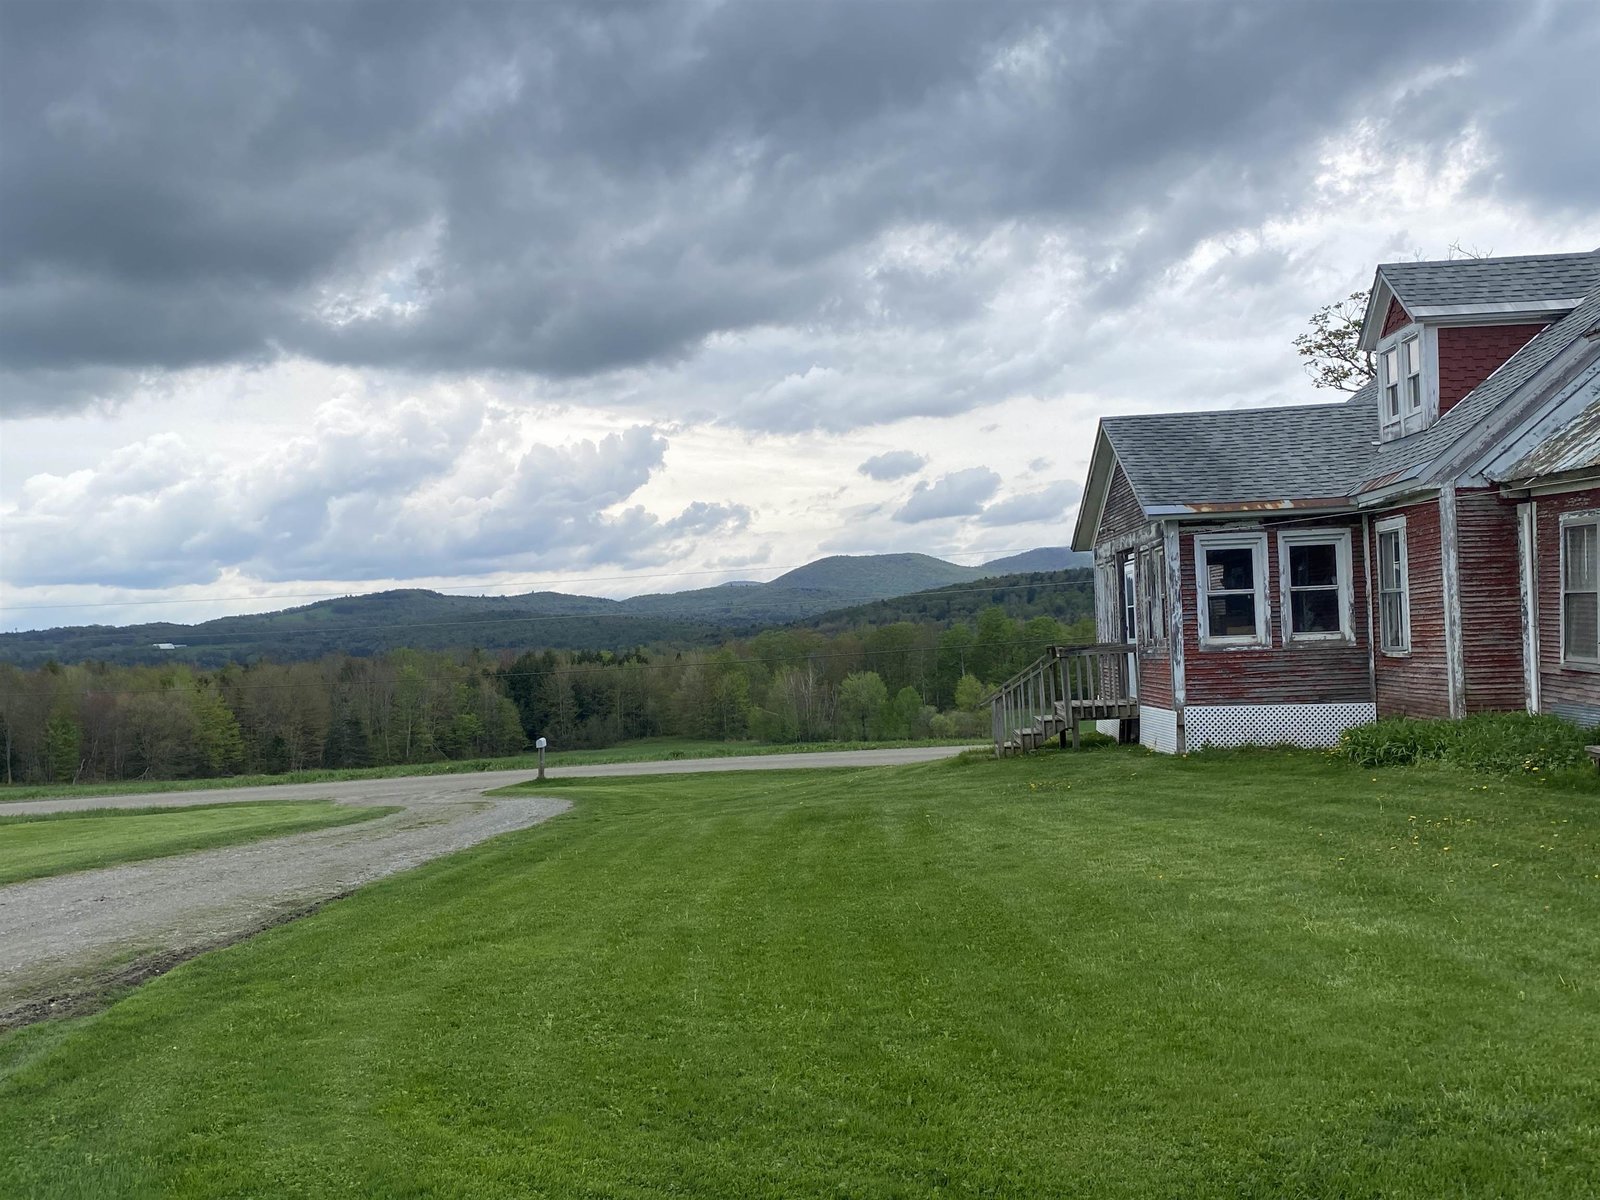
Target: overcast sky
314, 298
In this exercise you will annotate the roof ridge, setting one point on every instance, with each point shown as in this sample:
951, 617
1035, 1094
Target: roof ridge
1500, 258
1168, 414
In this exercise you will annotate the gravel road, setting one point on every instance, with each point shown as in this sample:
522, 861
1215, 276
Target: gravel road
64, 939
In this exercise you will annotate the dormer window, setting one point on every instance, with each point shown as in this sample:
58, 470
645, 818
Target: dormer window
1406, 400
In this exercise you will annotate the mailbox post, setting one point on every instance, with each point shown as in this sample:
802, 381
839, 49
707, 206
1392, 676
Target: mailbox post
540, 745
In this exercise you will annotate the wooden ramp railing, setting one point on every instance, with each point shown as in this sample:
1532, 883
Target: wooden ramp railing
1065, 687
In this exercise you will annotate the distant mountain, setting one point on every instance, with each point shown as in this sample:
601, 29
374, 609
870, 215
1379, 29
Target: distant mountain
1048, 558
876, 575
434, 621
1066, 595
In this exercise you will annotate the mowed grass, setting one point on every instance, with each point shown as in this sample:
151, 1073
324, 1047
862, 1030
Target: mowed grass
1106, 974
641, 750
54, 843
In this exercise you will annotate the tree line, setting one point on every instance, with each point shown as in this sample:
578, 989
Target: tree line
95, 721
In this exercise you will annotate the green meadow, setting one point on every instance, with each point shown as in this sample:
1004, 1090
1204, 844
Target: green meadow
1105, 974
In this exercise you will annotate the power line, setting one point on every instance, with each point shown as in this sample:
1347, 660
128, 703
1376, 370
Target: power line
542, 584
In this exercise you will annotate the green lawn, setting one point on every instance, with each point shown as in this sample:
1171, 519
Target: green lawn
1106, 974
642, 750
32, 846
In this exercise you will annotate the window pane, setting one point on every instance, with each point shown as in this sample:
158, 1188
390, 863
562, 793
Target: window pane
1392, 399
1315, 611
1314, 566
1582, 611
1392, 609
1390, 575
1413, 356
1391, 365
1414, 391
1230, 570
1233, 616
1578, 554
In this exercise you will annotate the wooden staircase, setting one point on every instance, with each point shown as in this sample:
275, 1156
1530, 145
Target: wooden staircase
1052, 698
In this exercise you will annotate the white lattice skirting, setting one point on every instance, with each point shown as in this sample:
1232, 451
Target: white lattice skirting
1108, 728
1158, 729
1269, 724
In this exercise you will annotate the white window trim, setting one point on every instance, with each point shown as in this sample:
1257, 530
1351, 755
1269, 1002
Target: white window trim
1409, 422
1255, 542
1340, 538
1568, 521
1151, 585
1128, 581
1379, 528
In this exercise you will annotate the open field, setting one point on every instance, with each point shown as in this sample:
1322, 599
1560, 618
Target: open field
643, 750
54, 843
1106, 974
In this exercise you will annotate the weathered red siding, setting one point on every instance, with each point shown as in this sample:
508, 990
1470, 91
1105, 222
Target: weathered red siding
1155, 680
1469, 354
1395, 318
1572, 692
1122, 513
1416, 684
1314, 674
1491, 602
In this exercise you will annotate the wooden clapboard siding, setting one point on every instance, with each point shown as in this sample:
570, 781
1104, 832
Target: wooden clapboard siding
1122, 512
1155, 680
1571, 692
1491, 602
1416, 684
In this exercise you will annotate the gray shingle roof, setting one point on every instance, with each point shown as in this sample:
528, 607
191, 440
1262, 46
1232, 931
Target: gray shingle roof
1464, 282
1236, 456
1321, 451
1477, 411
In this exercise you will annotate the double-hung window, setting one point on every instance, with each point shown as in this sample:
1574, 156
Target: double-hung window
1403, 394
1230, 574
1580, 590
1394, 602
1315, 569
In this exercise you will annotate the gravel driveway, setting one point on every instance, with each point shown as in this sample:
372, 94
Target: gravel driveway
64, 939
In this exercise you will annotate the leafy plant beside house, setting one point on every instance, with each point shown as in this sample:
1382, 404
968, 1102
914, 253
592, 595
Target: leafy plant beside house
1497, 743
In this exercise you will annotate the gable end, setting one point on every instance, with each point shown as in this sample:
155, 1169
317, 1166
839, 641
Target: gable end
1122, 512
1397, 318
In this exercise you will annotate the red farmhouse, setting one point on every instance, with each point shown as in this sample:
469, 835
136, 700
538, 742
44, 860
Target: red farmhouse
1431, 547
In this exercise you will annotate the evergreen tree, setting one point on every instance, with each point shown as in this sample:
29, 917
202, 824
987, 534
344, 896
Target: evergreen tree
63, 741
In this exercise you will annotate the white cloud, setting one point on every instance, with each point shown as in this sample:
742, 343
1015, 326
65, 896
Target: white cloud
1046, 504
892, 465
958, 494
408, 489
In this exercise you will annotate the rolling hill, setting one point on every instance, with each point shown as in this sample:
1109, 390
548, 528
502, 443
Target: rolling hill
431, 620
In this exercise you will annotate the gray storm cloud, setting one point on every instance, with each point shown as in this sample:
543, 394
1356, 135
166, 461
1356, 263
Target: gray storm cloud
572, 192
